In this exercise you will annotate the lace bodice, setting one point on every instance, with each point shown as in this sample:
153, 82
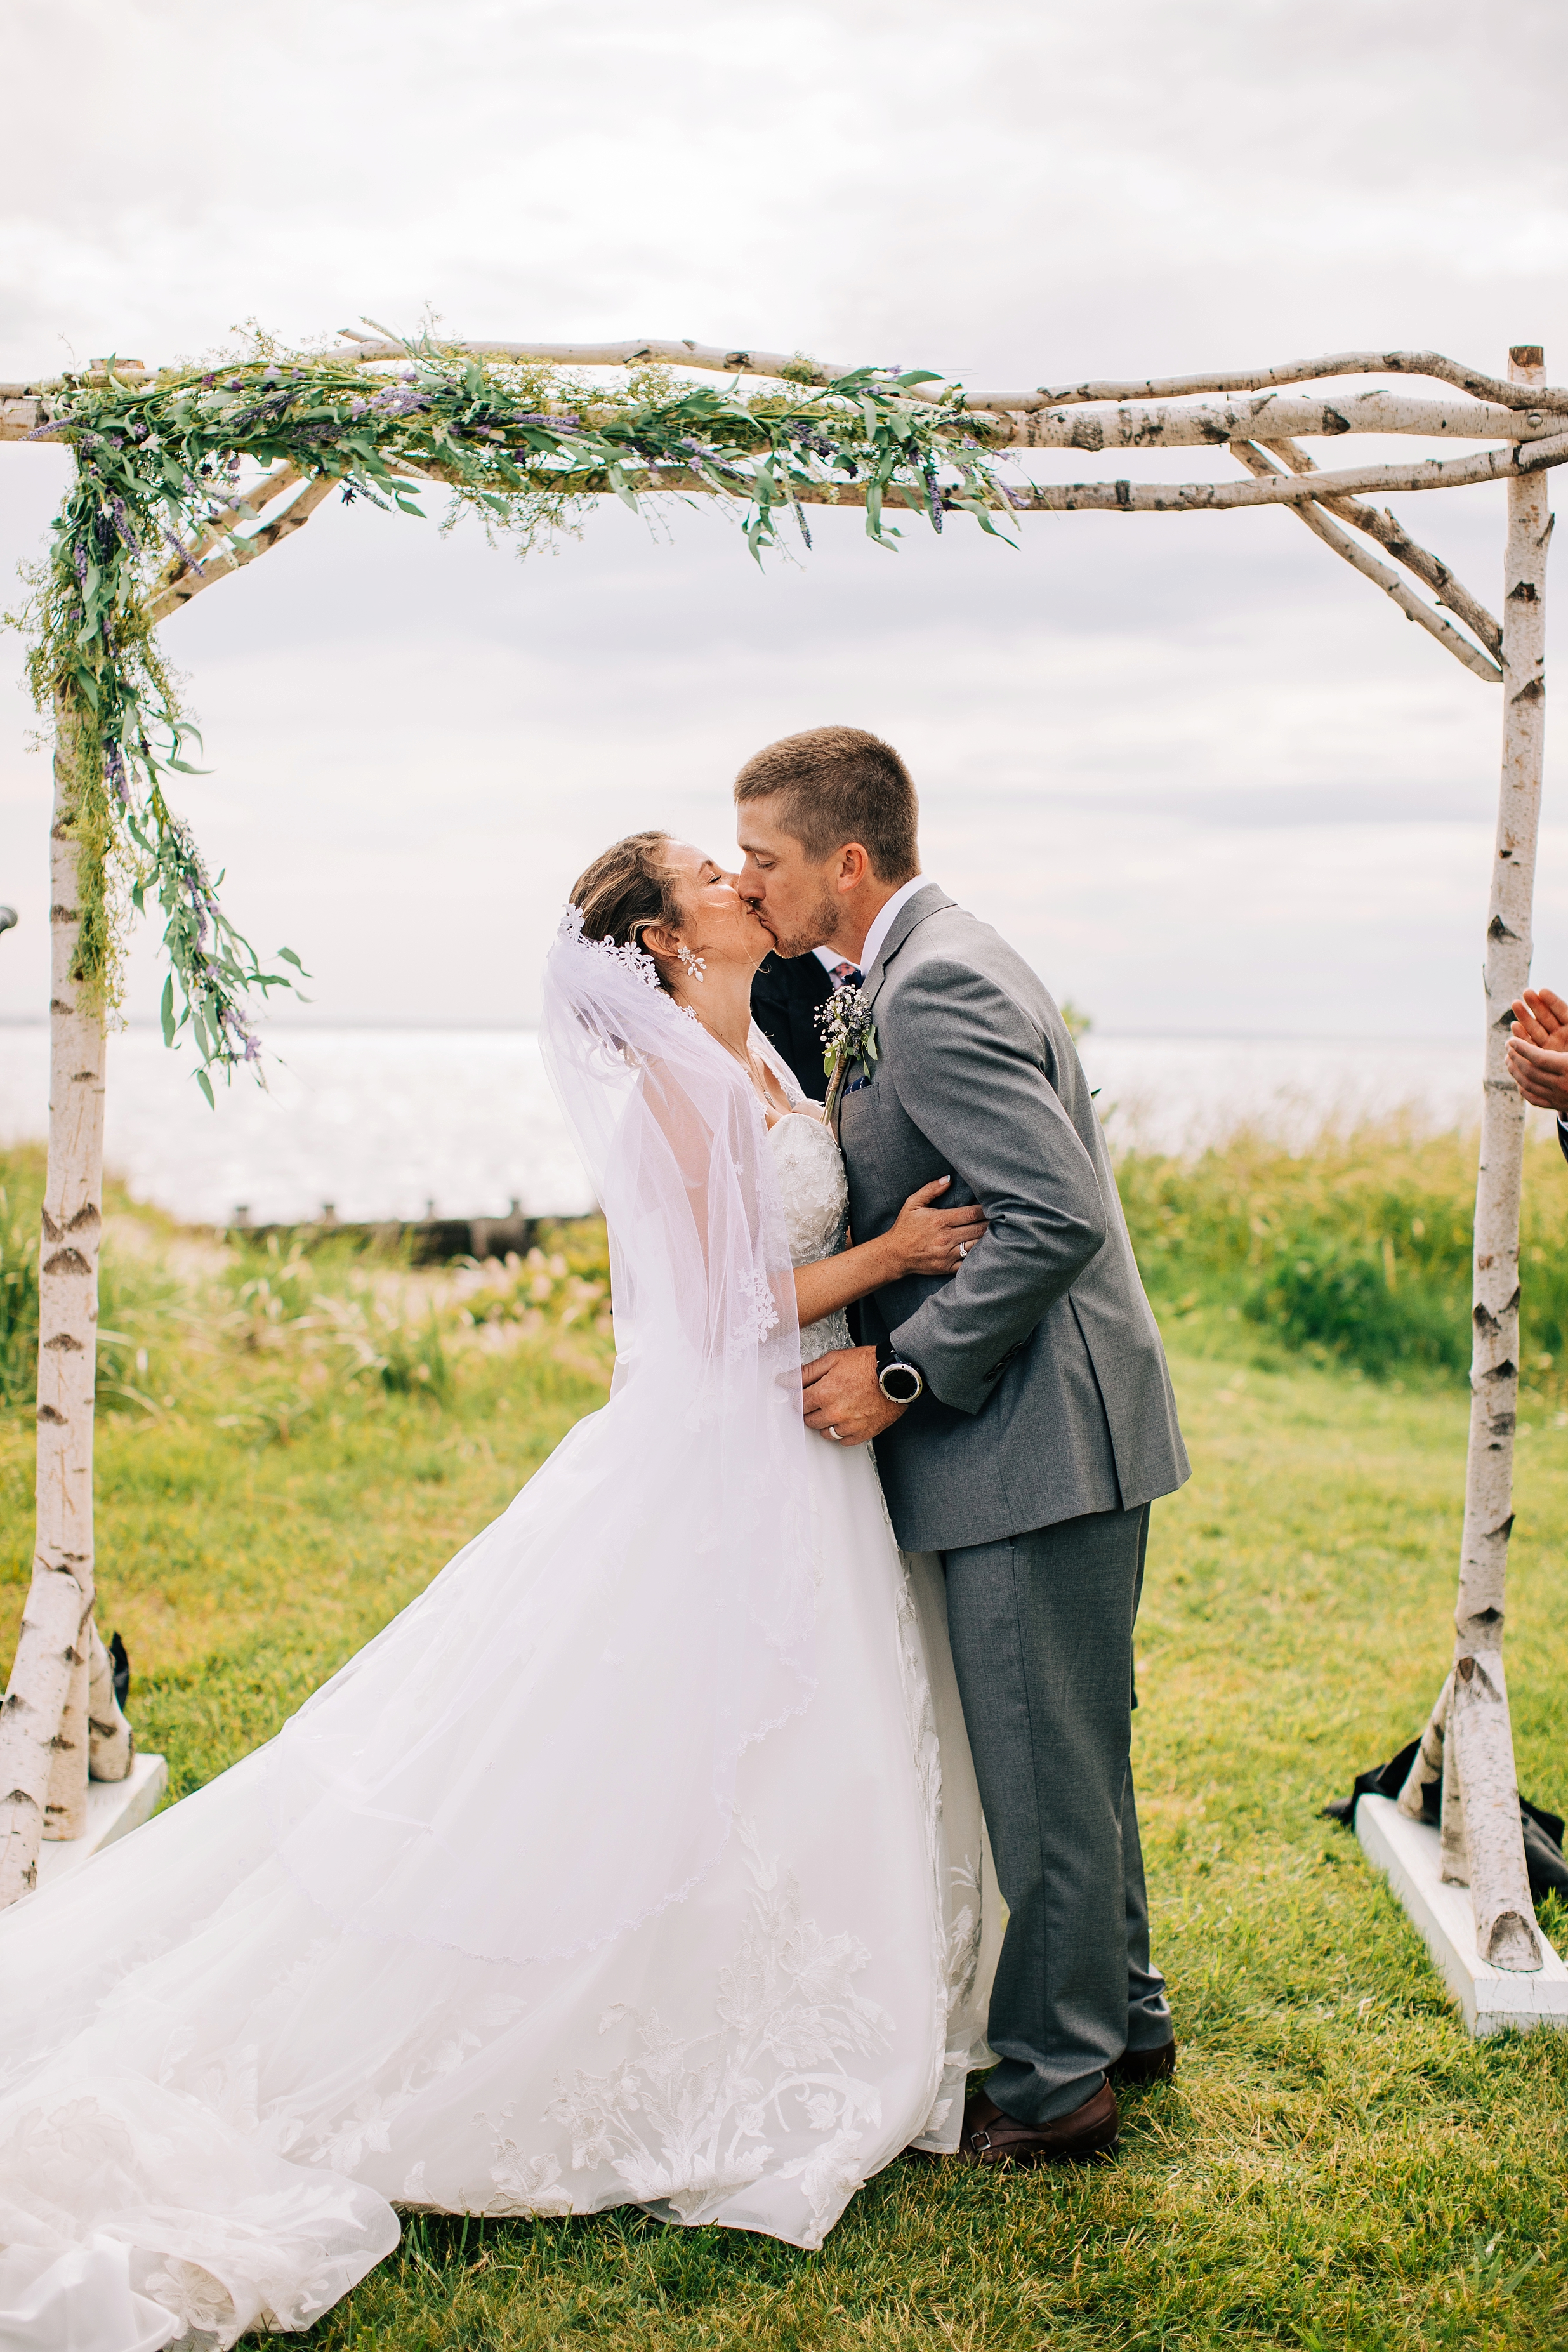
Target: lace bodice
816, 1210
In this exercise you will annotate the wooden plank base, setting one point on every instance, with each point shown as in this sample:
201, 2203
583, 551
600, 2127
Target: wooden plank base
1491, 1998
114, 1808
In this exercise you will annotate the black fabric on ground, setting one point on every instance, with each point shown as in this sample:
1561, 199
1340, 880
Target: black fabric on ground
1542, 1831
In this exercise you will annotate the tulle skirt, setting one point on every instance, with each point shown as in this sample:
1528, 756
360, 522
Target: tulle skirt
224, 2071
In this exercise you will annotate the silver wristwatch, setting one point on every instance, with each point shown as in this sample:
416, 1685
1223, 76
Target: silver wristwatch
900, 1381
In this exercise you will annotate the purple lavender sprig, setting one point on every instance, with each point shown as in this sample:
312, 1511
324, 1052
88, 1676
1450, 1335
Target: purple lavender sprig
187, 555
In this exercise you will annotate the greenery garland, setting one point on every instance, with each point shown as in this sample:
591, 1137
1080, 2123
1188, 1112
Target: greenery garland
157, 495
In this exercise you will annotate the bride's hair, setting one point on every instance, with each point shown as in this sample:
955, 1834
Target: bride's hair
627, 888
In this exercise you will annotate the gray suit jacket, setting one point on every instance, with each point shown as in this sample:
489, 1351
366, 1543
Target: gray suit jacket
1047, 1389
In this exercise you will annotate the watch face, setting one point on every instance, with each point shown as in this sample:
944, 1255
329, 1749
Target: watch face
900, 1383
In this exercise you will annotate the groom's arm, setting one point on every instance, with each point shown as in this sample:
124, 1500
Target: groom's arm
974, 1084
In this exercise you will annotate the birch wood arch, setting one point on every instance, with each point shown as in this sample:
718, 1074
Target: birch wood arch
824, 434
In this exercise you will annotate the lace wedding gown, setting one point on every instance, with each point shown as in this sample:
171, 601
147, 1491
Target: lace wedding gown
506, 1921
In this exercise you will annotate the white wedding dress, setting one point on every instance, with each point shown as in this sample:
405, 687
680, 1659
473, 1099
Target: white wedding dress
640, 1860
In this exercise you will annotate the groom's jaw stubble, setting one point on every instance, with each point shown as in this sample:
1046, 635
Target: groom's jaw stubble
814, 933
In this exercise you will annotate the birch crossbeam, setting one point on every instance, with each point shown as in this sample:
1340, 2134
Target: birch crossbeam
234, 554
1215, 498
1547, 451
1106, 498
1409, 603
1159, 426
222, 526
1389, 532
1270, 418
796, 367
1475, 381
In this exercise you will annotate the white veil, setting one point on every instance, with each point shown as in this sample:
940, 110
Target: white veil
351, 1972
647, 1601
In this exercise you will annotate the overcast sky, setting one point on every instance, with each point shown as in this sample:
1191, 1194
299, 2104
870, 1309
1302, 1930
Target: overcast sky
1207, 778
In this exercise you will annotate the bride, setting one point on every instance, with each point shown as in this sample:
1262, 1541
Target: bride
638, 1861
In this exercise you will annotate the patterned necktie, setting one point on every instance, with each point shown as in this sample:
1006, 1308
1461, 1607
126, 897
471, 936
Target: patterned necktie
846, 975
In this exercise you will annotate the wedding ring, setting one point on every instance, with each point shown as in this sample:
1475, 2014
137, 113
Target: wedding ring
835, 1435
964, 1248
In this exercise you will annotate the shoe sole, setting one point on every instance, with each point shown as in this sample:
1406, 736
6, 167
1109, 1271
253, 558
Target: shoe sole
1088, 2151
1092, 2152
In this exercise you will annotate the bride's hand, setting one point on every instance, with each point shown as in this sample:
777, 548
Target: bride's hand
928, 1240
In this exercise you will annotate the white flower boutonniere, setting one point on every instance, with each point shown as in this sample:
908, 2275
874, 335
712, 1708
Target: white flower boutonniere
849, 1038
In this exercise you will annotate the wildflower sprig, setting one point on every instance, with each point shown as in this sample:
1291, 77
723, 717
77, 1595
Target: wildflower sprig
848, 1033
160, 502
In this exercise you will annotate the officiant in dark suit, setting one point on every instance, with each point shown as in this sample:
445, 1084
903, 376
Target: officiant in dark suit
786, 996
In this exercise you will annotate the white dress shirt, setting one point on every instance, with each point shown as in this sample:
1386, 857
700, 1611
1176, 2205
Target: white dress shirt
882, 923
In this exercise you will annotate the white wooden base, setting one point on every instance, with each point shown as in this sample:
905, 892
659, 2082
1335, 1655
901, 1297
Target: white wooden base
1491, 1998
114, 1808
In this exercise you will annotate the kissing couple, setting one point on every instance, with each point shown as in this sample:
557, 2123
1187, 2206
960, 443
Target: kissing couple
644, 1858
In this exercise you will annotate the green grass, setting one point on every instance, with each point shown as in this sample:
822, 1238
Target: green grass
289, 1444
1356, 1252
1337, 2164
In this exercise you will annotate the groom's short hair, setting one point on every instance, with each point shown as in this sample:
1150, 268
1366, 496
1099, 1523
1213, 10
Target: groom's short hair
837, 784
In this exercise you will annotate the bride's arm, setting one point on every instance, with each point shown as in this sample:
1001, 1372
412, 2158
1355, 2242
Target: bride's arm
922, 1240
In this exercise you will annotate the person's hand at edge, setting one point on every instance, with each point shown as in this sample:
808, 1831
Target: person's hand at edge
1541, 1016
1538, 1049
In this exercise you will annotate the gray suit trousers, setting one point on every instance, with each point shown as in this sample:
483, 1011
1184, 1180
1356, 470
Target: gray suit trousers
1041, 1627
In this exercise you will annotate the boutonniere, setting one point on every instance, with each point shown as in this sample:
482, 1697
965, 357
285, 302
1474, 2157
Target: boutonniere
849, 1038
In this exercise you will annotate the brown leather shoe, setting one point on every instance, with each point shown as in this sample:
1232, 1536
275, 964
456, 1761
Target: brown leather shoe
1146, 2065
991, 2137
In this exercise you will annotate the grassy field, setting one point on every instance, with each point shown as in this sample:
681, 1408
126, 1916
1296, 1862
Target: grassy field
291, 1447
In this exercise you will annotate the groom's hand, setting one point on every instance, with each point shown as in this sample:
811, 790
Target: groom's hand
843, 1399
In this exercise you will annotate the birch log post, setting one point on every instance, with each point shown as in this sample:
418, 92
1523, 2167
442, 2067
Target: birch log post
1478, 1744
1427, 1769
110, 1742
45, 1722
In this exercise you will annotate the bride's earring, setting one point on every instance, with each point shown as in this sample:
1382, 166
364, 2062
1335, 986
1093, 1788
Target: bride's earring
695, 965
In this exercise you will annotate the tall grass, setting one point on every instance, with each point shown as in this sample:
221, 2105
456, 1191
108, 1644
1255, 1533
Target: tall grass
21, 1197
265, 1338
1356, 1250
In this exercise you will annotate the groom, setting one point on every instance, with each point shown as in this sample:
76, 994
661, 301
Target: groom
1021, 1408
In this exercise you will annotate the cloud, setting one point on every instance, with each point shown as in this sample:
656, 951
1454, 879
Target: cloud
1185, 761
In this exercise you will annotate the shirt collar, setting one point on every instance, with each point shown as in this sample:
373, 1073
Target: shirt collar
882, 923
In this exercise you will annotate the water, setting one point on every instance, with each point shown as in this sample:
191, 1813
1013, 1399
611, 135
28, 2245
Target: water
381, 1123
1178, 1094
393, 1123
